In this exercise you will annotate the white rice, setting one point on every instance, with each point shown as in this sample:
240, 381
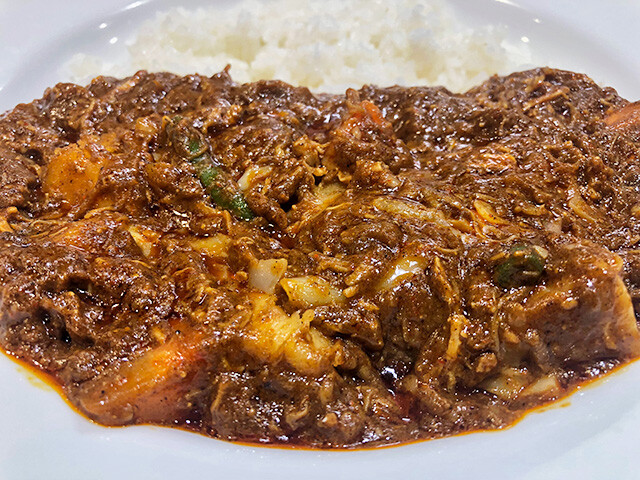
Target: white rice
325, 45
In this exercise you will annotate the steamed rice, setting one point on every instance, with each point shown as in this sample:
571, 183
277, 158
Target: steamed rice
324, 45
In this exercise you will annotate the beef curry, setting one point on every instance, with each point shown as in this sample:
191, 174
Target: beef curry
259, 263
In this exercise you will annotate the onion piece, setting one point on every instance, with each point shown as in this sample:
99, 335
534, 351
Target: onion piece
544, 387
508, 383
487, 213
264, 275
407, 209
252, 174
582, 208
400, 270
216, 246
145, 238
311, 291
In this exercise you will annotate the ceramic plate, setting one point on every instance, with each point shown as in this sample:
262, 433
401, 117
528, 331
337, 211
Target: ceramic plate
591, 435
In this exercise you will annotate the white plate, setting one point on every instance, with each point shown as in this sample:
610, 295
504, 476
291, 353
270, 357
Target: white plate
593, 437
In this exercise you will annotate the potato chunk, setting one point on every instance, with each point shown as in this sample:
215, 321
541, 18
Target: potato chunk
73, 173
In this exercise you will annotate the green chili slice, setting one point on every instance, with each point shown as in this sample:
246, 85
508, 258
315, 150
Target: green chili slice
189, 144
523, 265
